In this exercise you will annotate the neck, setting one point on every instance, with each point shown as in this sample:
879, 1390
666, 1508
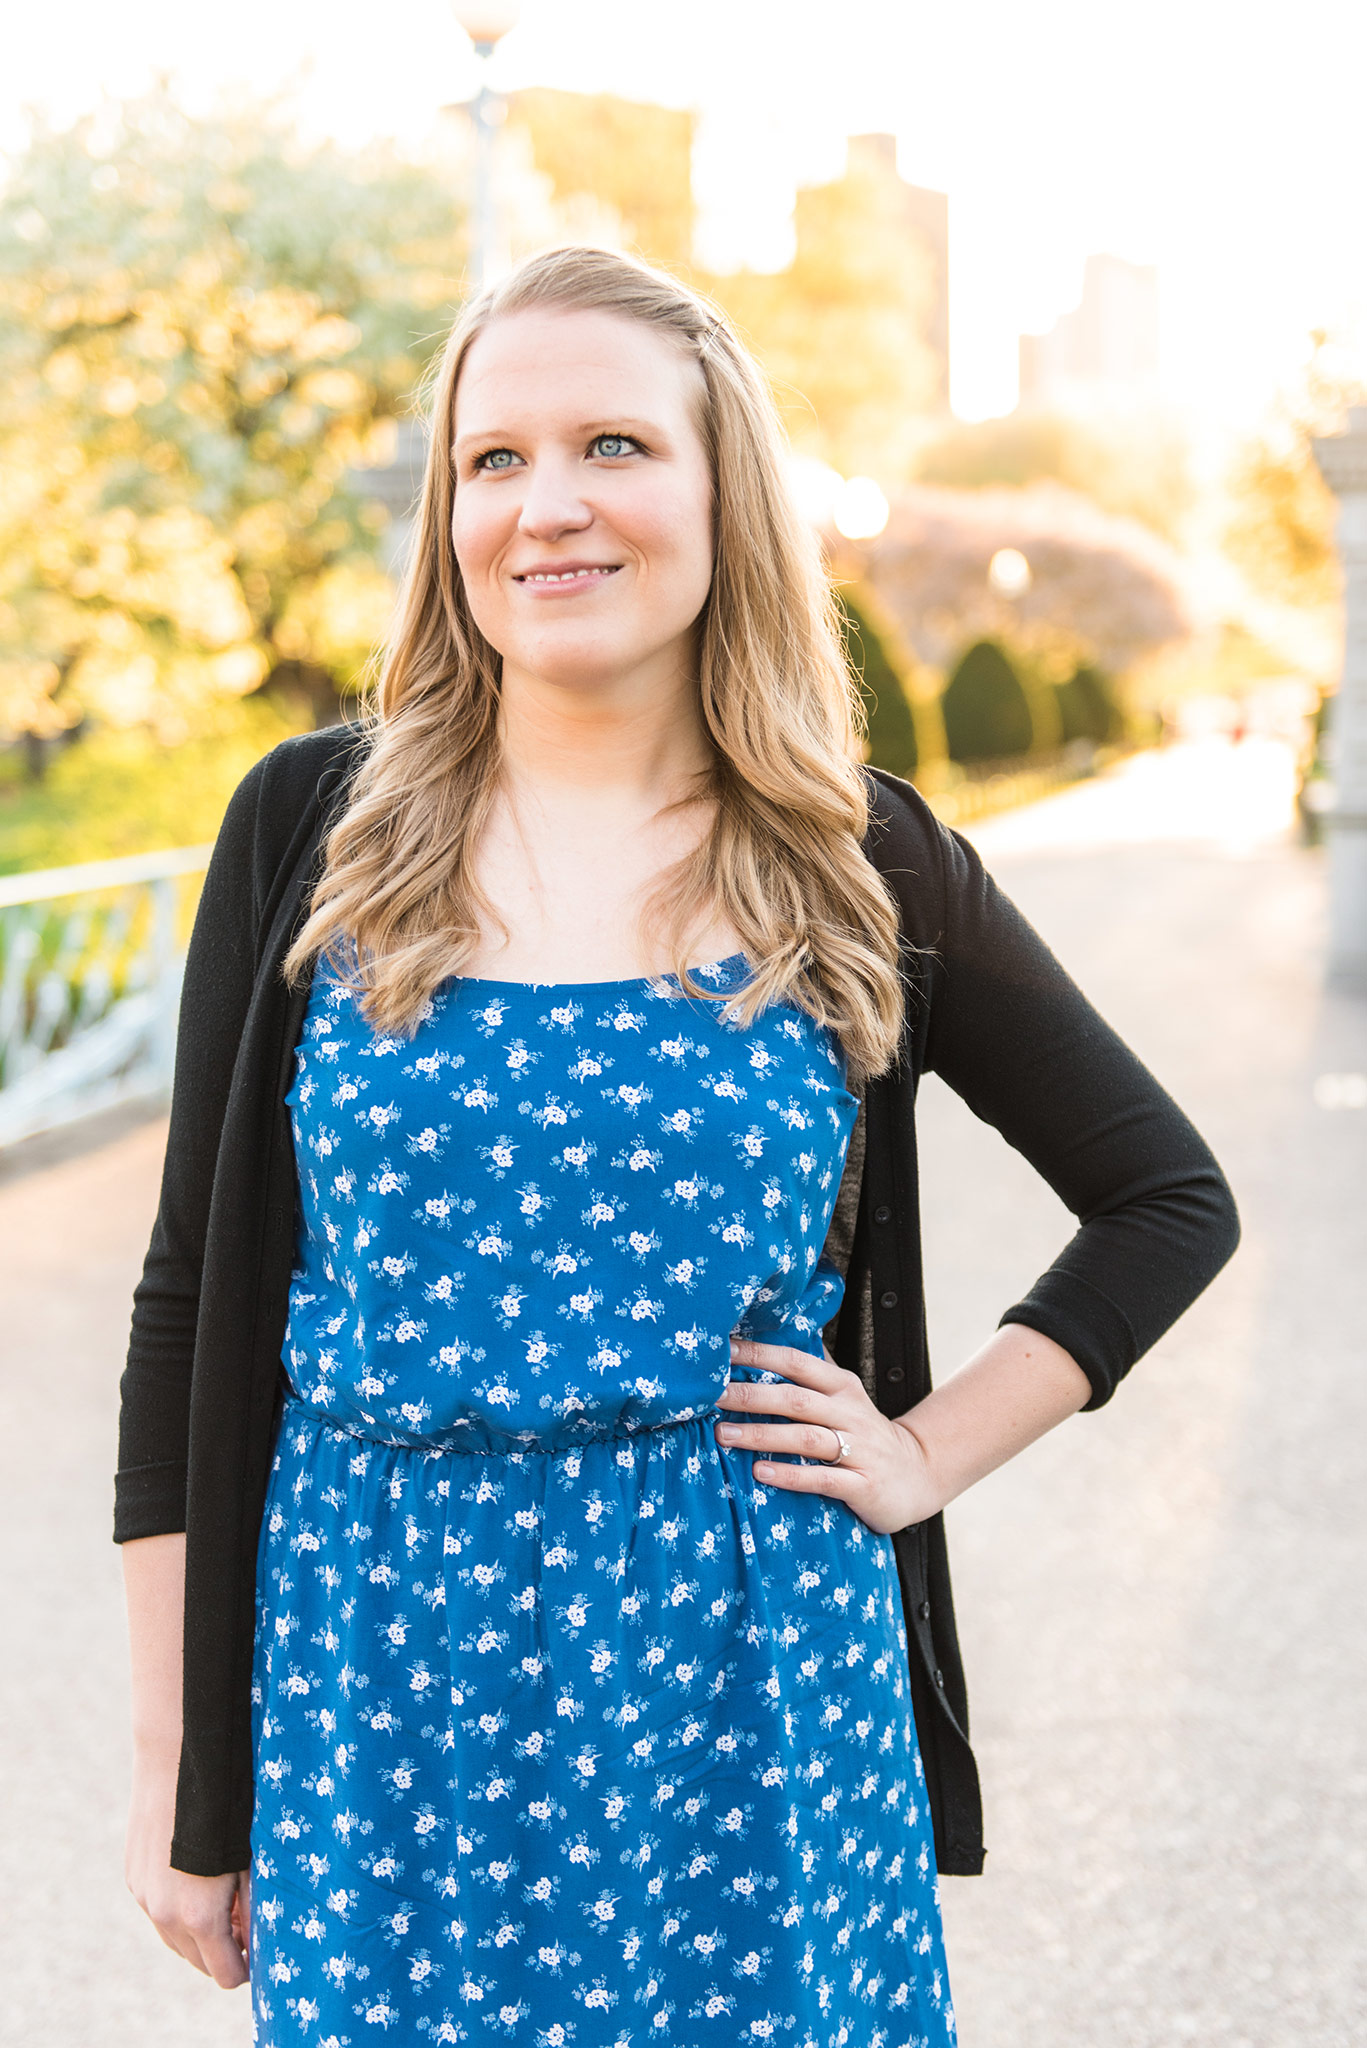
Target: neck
624, 743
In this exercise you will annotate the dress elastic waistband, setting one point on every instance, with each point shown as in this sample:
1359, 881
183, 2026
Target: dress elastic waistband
296, 1410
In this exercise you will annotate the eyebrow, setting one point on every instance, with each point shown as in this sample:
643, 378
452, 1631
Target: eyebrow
614, 423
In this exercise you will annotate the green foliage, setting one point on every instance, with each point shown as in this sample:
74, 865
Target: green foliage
1281, 532
123, 793
985, 707
1088, 708
891, 724
1139, 470
202, 326
1281, 527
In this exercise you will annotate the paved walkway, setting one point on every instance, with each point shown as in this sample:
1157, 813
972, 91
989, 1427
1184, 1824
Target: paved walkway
1161, 1605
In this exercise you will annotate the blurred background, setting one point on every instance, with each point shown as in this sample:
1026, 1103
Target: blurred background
1066, 313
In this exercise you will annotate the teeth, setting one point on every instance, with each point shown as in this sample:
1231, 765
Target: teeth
563, 576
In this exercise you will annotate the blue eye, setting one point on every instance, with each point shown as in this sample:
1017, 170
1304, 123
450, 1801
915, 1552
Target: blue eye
612, 445
496, 458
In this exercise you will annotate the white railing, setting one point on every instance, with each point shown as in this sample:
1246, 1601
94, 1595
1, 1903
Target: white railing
91, 960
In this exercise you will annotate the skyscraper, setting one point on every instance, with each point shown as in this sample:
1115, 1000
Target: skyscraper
926, 214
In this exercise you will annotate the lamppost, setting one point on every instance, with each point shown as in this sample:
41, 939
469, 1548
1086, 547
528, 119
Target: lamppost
1343, 463
486, 22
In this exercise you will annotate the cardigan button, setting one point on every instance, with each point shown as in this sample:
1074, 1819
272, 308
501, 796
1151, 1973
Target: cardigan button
924, 1610
888, 1300
895, 1375
940, 1679
882, 1215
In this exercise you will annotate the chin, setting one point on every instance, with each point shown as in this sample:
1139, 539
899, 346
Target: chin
579, 662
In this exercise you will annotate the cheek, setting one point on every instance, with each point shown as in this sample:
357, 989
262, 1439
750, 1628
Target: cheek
471, 538
680, 538
475, 541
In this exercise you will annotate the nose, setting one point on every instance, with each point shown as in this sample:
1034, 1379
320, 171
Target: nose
551, 503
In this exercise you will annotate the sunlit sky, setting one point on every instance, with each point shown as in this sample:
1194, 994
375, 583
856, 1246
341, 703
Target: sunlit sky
1219, 139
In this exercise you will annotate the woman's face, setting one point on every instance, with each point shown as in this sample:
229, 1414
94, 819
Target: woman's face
583, 505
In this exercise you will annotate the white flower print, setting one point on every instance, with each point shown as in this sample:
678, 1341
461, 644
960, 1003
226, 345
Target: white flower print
552, 1114
536, 1658
628, 1094
588, 1065
520, 1056
498, 1157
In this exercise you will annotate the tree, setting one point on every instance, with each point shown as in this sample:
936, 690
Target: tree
1102, 590
1281, 529
1281, 532
202, 326
1135, 467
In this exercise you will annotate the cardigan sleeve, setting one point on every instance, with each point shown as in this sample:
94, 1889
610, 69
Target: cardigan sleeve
149, 1497
1016, 1038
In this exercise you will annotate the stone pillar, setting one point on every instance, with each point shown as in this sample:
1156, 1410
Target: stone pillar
1343, 460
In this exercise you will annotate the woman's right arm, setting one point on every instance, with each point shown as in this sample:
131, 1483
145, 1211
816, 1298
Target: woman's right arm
203, 1919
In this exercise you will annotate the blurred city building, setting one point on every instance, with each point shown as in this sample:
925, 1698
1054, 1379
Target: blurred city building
1105, 348
620, 170
854, 330
925, 215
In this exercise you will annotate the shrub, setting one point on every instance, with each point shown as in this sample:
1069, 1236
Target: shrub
986, 710
114, 793
1088, 709
891, 724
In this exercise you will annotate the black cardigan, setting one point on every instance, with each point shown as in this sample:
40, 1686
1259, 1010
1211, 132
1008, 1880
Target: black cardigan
989, 1009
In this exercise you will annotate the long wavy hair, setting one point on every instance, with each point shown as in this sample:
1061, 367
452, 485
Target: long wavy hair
398, 907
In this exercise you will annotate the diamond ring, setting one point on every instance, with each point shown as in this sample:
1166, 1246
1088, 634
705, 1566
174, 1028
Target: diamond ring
846, 1446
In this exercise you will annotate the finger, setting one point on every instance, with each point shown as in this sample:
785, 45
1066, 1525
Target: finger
215, 1951
836, 1481
181, 1943
799, 1366
801, 1440
777, 1397
224, 1960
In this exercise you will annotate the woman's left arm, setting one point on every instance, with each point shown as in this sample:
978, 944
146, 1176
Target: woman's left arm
896, 1472
1013, 1035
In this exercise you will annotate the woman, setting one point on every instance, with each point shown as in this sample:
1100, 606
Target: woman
534, 1627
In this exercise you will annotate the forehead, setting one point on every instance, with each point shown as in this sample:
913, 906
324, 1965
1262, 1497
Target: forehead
554, 363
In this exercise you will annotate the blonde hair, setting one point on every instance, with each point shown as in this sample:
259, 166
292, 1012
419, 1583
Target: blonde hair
782, 862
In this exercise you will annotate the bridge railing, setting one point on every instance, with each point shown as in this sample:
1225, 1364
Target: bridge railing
91, 959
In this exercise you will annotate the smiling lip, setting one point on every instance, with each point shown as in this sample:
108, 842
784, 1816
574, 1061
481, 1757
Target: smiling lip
564, 579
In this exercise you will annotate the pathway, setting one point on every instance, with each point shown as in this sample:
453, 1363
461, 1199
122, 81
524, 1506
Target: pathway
1161, 1605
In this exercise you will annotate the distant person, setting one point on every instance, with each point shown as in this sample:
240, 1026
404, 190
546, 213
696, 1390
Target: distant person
563, 1635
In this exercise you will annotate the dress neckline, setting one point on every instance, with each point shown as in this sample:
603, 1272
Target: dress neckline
707, 968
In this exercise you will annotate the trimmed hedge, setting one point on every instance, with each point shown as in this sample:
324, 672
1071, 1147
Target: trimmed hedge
1088, 709
985, 706
892, 726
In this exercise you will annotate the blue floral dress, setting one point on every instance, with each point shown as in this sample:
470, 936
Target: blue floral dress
567, 1732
